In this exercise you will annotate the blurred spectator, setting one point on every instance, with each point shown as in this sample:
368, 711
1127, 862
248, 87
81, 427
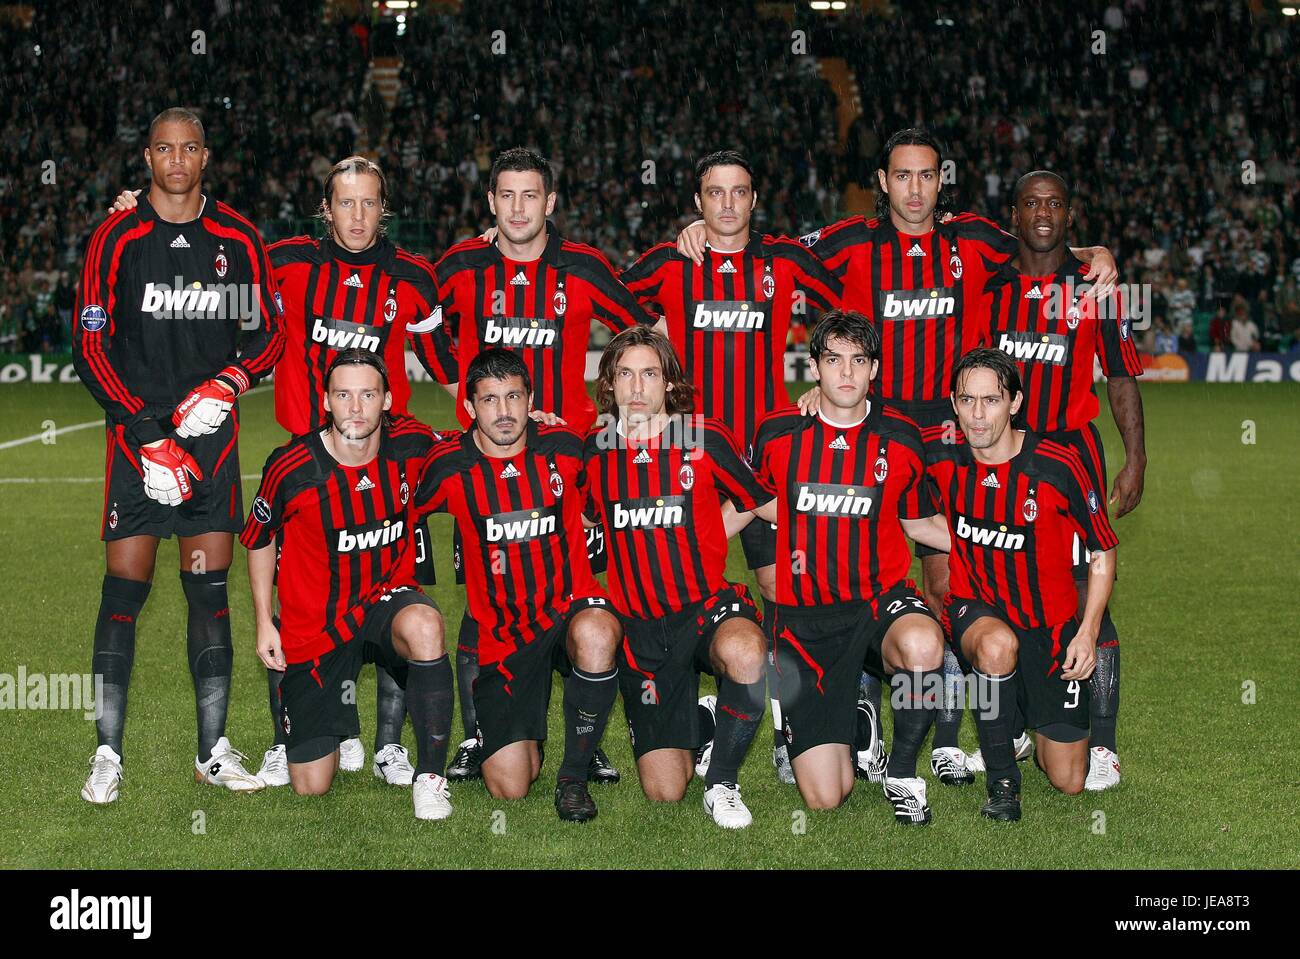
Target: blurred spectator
1219, 330
1243, 333
1165, 340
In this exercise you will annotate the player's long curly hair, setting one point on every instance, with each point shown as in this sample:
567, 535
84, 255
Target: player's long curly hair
355, 165
914, 136
679, 399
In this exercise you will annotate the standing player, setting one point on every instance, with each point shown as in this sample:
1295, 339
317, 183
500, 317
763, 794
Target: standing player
1014, 502
351, 288
524, 287
337, 499
728, 317
919, 281
515, 489
848, 483
656, 474
165, 292
1053, 334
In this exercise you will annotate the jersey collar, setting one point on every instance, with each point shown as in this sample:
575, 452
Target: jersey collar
367, 257
550, 254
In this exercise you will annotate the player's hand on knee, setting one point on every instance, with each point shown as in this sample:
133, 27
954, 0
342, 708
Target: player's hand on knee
169, 472
126, 200
204, 410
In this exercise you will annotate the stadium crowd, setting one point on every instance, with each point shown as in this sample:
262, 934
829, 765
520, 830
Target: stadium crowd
1194, 186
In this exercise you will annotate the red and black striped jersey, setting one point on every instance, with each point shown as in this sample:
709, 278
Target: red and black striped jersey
1013, 525
729, 319
660, 503
525, 549
1053, 334
164, 306
345, 532
921, 291
841, 492
335, 300
542, 309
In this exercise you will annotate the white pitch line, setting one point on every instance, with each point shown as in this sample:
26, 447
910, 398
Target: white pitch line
8, 444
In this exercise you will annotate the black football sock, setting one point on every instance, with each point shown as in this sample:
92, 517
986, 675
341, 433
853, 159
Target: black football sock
769, 631
588, 698
740, 710
390, 709
870, 688
993, 720
429, 698
274, 678
211, 652
913, 698
1105, 687
119, 608
1019, 703
708, 725
947, 720
466, 674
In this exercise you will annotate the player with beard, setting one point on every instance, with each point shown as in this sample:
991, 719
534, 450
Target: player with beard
164, 295
524, 287
919, 280
657, 473
1040, 316
351, 288
849, 482
729, 318
337, 501
1014, 502
515, 489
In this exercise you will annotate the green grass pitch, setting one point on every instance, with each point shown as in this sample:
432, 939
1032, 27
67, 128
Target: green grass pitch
1205, 606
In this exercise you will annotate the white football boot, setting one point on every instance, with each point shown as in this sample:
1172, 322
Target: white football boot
723, 803
948, 763
393, 765
352, 755
105, 774
275, 767
432, 796
1103, 769
1024, 747
225, 767
908, 799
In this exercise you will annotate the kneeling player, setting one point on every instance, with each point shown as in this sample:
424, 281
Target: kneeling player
339, 499
1014, 501
515, 489
848, 482
656, 476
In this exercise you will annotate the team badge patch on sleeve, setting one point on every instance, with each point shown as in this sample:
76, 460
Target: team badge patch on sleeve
93, 317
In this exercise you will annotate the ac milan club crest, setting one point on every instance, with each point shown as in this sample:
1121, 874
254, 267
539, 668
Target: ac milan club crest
769, 285
1072, 314
221, 264
560, 301
954, 265
112, 519
405, 491
390, 308
1030, 510
882, 469
284, 721
686, 476
557, 483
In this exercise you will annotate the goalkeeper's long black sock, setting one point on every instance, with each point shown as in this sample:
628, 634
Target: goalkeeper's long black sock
211, 653
119, 608
1105, 687
274, 677
390, 709
466, 674
947, 721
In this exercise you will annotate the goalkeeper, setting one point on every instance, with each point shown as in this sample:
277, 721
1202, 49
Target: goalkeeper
168, 291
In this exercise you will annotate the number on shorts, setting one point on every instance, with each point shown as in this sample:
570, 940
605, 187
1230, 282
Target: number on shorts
898, 604
1072, 690
420, 552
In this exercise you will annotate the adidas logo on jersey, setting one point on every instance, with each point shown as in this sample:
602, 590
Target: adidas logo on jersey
519, 279
839, 443
727, 315
998, 537
363, 485
1040, 347
510, 472
180, 243
916, 250
642, 457
353, 280
727, 267
991, 481
520, 526
519, 331
907, 304
656, 513
834, 499
379, 534
1034, 294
